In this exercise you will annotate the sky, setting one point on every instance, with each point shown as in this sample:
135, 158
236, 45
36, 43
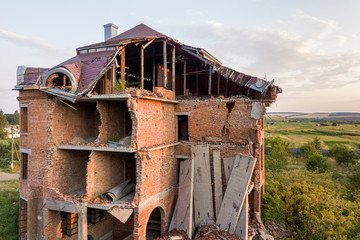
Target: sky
310, 48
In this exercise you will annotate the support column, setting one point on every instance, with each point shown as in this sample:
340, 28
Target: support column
218, 85
113, 70
122, 66
184, 77
82, 221
165, 63
173, 70
197, 82
227, 87
210, 75
154, 67
142, 67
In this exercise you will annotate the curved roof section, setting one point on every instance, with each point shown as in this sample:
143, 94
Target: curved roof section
86, 67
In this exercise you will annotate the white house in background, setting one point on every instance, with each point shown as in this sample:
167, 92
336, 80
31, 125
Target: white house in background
16, 131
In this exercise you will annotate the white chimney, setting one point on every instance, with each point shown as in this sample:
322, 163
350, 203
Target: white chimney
110, 30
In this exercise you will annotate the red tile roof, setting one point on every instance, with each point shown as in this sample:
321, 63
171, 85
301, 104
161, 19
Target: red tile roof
31, 75
141, 31
86, 67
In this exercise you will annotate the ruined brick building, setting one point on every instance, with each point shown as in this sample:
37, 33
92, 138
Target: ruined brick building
104, 135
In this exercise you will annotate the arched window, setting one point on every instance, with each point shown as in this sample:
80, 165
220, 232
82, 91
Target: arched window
153, 227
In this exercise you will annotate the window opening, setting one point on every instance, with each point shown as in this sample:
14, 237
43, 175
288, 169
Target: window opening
183, 127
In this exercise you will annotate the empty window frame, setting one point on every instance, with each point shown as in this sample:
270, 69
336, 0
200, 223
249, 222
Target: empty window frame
69, 223
24, 166
183, 127
23, 219
23, 119
95, 216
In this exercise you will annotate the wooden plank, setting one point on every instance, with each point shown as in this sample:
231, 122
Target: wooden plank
203, 204
113, 77
185, 197
197, 84
217, 181
210, 79
173, 219
154, 66
184, 77
142, 67
228, 165
173, 69
243, 223
235, 193
218, 84
165, 63
122, 65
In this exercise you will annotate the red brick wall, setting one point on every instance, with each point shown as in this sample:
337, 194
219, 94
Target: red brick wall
158, 174
115, 120
154, 122
218, 121
38, 140
68, 171
69, 123
106, 170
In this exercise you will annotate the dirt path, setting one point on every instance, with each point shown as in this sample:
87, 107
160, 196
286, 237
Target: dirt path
8, 176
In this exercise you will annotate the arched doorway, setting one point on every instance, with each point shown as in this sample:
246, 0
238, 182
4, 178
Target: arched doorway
153, 227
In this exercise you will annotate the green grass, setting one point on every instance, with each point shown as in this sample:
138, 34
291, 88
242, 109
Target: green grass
299, 133
9, 209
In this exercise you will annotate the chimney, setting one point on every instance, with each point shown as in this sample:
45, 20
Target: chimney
110, 30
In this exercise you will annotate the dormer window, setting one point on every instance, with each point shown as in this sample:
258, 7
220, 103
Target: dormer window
59, 80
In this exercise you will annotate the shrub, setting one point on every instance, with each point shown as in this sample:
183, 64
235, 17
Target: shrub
354, 179
277, 157
308, 149
342, 154
317, 163
312, 205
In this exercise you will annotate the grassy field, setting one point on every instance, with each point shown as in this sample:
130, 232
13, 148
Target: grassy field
9, 205
299, 133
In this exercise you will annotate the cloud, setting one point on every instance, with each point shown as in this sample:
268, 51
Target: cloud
24, 40
299, 61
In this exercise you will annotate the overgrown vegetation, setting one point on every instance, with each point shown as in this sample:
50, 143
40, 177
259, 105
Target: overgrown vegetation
3, 123
278, 154
314, 203
342, 154
317, 163
5, 154
9, 207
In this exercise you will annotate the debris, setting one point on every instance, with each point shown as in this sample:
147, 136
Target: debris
119, 191
258, 110
184, 213
235, 192
122, 214
78, 141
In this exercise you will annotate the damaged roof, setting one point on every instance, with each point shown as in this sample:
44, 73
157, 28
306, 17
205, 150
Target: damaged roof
139, 32
92, 61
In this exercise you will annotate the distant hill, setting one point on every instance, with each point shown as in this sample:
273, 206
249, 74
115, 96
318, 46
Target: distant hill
340, 116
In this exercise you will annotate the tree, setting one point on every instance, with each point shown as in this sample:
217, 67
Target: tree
3, 123
16, 117
308, 149
317, 163
277, 157
342, 154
